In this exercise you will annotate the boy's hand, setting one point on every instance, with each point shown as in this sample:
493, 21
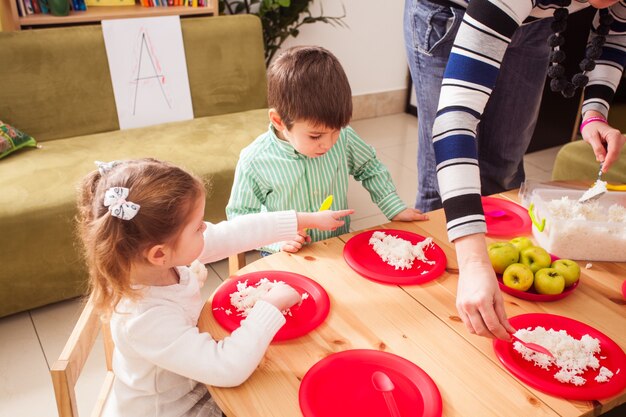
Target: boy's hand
410, 215
293, 246
323, 220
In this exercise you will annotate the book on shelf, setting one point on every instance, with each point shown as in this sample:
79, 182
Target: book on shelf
21, 8
29, 7
43, 5
110, 2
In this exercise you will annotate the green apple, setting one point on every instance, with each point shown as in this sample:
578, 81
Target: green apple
518, 276
501, 255
549, 281
536, 258
569, 269
521, 243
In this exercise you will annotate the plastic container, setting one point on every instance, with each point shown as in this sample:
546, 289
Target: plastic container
584, 240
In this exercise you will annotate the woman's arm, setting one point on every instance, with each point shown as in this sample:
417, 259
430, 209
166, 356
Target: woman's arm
604, 80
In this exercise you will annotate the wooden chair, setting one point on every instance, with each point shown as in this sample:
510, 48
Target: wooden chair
67, 369
236, 262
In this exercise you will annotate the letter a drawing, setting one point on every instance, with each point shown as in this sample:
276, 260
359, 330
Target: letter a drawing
148, 71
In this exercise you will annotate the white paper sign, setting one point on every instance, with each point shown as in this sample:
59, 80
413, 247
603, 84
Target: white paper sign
148, 70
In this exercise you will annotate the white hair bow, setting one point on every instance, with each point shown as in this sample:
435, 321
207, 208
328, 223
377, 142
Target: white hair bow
105, 167
115, 200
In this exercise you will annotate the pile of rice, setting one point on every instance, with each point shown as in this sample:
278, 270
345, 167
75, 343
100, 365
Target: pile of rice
246, 296
398, 252
566, 209
572, 356
601, 227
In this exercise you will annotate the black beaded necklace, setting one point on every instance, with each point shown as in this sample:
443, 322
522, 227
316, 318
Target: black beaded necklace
556, 71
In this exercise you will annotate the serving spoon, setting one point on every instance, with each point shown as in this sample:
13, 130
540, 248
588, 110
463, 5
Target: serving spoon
328, 201
596, 191
382, 383
616, 187
532, 346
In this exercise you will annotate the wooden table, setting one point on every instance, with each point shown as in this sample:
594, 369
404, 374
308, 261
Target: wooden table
419, 323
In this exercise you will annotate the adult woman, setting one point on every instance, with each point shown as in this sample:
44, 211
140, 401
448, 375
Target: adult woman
486, 62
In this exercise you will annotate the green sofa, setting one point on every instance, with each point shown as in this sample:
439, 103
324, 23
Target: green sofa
576, 161
55, 85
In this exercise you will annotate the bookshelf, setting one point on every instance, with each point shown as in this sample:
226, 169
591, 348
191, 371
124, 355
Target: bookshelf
11, 21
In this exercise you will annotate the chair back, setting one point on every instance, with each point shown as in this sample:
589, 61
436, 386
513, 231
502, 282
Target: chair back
67, 369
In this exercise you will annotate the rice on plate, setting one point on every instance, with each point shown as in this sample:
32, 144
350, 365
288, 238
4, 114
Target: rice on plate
399, 253
572, 356
246, 295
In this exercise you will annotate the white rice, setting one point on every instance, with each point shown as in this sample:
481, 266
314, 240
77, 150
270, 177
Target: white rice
246, 296
572, 356
399, 253
566, 209
604, 375
601, 227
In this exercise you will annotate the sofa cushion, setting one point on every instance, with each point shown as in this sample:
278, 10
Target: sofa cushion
576, 161
12, 139
37, 203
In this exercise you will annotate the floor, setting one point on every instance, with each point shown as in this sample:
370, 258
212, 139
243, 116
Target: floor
31, 341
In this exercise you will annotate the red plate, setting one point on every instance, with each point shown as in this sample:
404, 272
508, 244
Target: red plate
361, 257
533, 295
514, 222
304, 318
341, 385
544, 380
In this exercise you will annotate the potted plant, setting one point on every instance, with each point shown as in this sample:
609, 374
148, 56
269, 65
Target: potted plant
280, 19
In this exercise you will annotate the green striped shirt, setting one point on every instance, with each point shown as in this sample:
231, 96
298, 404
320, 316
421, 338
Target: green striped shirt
272, 176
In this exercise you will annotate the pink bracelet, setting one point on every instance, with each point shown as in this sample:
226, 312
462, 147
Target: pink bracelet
592, 119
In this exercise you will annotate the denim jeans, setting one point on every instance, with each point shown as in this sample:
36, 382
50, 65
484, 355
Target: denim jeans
510, 115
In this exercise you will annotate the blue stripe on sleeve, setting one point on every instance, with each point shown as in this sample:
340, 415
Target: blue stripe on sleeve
458, 108
614, 55
463, 68
455, 146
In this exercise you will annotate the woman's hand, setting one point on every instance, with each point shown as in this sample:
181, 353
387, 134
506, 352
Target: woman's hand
478, 298
409, 215
323, 220
606, 141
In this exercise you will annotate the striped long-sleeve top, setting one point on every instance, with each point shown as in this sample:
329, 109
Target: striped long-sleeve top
272, 176
469, 77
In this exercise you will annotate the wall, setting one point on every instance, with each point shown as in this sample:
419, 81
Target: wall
371, 49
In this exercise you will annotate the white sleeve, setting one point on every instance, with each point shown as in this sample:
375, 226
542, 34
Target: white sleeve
162, 336
247, 232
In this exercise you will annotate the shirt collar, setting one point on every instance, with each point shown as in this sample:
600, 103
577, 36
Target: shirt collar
283, 144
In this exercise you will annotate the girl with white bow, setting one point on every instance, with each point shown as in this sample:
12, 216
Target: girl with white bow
141, 225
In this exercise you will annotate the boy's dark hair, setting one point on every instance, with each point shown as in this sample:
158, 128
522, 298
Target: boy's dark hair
308, 83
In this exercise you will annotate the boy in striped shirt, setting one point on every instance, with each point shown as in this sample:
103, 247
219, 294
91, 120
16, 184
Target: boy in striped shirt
309, 151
